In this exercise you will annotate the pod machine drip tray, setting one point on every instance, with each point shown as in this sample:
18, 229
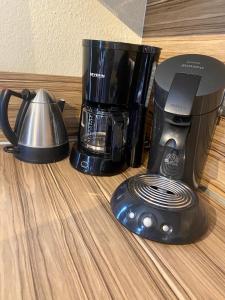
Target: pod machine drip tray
159, 209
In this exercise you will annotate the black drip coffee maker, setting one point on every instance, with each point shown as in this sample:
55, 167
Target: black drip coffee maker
116, 82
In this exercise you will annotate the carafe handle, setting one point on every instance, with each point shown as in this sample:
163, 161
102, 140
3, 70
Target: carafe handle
5, 96
117, 138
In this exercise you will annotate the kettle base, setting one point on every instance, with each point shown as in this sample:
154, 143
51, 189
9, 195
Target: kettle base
40, 155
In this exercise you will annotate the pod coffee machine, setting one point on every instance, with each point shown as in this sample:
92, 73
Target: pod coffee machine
116, 82
161, 205
189, 92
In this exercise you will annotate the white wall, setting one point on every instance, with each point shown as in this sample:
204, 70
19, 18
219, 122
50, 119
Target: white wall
44, 36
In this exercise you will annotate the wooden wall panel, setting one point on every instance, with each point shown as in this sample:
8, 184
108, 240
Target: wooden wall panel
212, 45
190, 26
184, 17
65, 87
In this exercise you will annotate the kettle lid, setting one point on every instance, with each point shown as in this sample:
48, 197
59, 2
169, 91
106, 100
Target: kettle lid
43, 97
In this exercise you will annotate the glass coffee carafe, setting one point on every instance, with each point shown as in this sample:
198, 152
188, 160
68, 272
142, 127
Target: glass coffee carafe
103, 131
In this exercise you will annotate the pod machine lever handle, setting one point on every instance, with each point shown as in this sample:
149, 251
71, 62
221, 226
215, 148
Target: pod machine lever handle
177, 122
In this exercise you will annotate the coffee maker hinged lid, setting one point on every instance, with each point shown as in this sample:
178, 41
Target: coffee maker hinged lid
206, 74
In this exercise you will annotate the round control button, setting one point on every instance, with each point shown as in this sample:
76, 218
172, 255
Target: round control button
166, 228
147, 222
131, 215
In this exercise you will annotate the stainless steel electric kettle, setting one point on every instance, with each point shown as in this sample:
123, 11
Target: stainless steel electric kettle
39, 135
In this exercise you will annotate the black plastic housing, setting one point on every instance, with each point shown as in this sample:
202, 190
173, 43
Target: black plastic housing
97, 165
140, 91
39, 155
188, 93
110, 68
188, 224
116, 77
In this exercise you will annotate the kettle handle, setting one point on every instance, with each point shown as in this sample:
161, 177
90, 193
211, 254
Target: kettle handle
4, 103
61, 104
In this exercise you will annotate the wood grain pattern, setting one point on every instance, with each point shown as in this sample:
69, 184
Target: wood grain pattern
65, 87
179, 17
184, 27
212, 45
188, 269
59, 240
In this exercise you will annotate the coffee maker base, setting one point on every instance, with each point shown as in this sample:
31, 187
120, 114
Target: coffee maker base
95, 165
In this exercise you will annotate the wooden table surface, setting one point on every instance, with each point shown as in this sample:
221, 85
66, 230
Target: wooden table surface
59, 240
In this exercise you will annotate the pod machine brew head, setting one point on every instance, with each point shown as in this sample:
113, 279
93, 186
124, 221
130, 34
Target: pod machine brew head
161, 205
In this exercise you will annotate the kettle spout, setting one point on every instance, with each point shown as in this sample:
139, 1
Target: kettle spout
61, 104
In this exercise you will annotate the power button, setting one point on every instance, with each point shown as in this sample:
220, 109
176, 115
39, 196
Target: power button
84, 164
